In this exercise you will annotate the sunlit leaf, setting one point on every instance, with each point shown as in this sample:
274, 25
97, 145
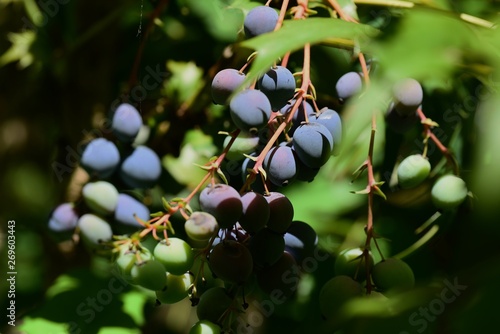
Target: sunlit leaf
196, 151
20, 49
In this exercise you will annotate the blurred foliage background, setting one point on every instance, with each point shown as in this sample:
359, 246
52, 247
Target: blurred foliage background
65, 65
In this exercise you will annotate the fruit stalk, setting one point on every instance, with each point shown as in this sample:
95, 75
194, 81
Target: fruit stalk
429, 134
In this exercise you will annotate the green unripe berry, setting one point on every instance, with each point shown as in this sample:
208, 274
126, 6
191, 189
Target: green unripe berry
176, 288
127, 258
101, 197
448, 192
413, 170
175, 255
94, 229
213, 304
393, 274
200, 226
204, 327
336, 292
149, 274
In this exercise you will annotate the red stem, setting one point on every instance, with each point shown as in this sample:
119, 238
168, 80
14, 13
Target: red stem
444, 150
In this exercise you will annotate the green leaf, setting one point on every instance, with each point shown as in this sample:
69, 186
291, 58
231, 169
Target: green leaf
133, 305
41, 325
197, 149
222, 176
185, 82
68, 306
319, 214
62, 284
432, 51
296, 33
222, 21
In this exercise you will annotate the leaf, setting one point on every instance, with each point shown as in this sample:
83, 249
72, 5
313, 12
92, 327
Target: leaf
185, 81
365, 191
197, 149
433, 51
68, 306
222, 176
221, 21
419, 243
296, 33
133, 305
41, 325
20, 49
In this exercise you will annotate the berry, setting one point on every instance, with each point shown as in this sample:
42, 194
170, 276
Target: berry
281, 212
100, 157
149, 274
126, 122
94, 229
204, 327
250, 109
213, 304
300, 240
127, 258
282, 276
200, 226
280, 165
175, 255
393, 274
413, 170
260, 20
279, 86
231, 262
63, 218
448, 192
127, 207
266, 247
256, 212
236, 234
142, 168
304, 173
101, 197
225, 83
176, 288
313, 144
223, 202
331, 120
336, 292
348, 85
408, 96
